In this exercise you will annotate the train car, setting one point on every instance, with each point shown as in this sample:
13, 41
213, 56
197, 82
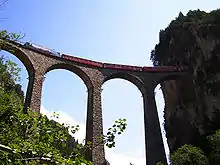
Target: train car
42, 49
82, 61
122, 67
111, 66
135, 68
132, 68
160, 69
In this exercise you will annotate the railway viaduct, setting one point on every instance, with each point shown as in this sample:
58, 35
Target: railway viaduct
38, 64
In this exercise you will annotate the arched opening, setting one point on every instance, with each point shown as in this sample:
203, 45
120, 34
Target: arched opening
79, 72
26, 68
160, 109
126, 76
166, 96
66, 95
122, 99
25, 63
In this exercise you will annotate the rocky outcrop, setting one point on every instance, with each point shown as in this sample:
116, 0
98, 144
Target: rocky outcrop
192, 105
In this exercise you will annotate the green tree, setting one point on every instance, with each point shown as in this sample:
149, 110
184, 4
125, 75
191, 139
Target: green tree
214, 141
9, 75
32, 139
160, 163
188, 155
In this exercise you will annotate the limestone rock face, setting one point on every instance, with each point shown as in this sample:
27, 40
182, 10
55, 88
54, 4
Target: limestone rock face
192, 104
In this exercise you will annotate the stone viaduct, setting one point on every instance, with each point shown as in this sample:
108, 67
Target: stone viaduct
38, 65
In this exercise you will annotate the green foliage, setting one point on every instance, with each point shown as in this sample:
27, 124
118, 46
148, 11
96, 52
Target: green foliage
118, 127
160, 163
9, 72
180, 26
214, 141
31, 137
9, 76
188, 155
4, 34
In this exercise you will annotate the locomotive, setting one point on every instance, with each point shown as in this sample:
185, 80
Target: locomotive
42, 49
100, 64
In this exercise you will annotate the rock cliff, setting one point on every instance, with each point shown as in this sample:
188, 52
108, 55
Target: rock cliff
192, 105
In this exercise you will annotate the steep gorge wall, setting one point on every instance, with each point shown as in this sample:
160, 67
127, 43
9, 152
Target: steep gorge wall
192, 104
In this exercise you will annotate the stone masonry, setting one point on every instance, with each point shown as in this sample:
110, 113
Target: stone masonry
38, 65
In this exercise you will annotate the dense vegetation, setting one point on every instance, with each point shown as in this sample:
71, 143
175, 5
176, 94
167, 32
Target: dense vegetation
208, 22
193, 40
31, 138
190, 155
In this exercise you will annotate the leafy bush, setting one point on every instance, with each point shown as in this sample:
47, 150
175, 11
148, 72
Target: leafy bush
32, 138
160, 163
214, 141
189, 155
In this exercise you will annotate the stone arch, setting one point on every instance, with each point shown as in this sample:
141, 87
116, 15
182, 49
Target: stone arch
170, 77
73, 74
169, 82
129, 77
22, 56
134, 84
25, 60
78, 71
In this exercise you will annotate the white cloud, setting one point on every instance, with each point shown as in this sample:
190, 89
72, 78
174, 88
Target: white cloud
114, 158
66, 119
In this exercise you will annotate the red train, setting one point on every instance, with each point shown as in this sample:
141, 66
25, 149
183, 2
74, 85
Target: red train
122, 67
103, 65
161, 69
82, 61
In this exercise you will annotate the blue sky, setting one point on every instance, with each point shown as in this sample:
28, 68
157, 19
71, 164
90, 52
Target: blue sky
117, 31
